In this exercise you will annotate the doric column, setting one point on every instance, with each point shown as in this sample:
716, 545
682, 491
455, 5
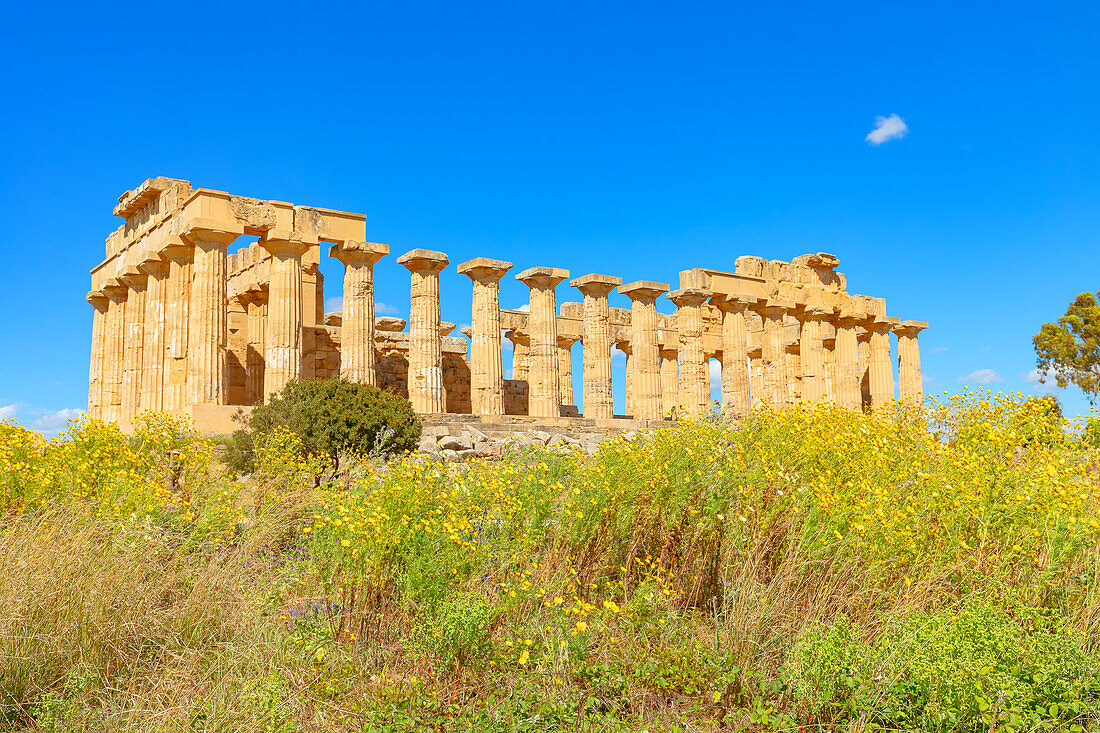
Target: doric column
177, 307
670, 380
863, 339
812, 352
521, 353
136, 282
597, 397
735, 355
114, 349
425, 343
152, 360
623, 345
881, 366
486, 356
828, 343
207, 331
256, 304
565, 367
909, 377
542, 326
694, 377
776, 390
847, 372
756, 375
99, 302
357, 326
283, 344
646, 352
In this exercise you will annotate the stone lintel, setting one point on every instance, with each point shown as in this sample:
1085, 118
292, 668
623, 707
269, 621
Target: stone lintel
484, 268
423, 260
542, 276
596, 284
572, 310
818, 311
389, 323
349, 251
643, 290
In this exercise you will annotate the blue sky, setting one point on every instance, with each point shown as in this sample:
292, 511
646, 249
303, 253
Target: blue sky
635, 139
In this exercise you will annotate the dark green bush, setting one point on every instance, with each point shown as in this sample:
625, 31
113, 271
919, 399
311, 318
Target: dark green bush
334, 417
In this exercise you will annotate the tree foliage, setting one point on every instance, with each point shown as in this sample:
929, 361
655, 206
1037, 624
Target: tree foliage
334, 416
1069, 349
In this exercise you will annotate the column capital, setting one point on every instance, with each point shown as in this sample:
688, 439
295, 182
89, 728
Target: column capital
882, 324
645, 291
424, 260
848, 318
566, 341
732, 303
211, 231
517, 336
155, 266
133, 277
542, 277
287, 242
684, 297
773, 307
910, 328
817, 312
445, 328
595, 284
391, 324
115, 289
97, 298
351, 252
484, 269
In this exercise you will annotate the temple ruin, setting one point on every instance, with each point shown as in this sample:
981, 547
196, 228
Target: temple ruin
179, 325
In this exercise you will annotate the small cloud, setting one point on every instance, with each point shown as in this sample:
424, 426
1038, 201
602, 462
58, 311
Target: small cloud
526, 308
886, 129
982, 376
383, 309
7, 412
618, 354
938, 350
1040, 377
931, 383
334, 305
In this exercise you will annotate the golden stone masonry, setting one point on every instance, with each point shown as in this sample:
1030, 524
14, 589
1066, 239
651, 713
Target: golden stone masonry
182, 326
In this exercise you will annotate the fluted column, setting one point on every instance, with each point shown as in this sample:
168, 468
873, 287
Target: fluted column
425, 342
207, 330
735, 355
776, 390
177, 308
812, 353
670, 380
881, 366
565, 367
629, 409
756, 375
486, 355
847, 372
542, 327
152, 359
598, 398
521, 353
114, 349
694, 377
357, 325
136, 282
863, 339
646, 352
283, 342
256, 304
99, 302
828, 344
909, 376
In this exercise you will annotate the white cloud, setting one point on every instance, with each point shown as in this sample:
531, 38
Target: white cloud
1040, 378
51, 423
938, 350
618, 354
982, 376
886, 129
526, 308
7, 412
383, 309
334, 305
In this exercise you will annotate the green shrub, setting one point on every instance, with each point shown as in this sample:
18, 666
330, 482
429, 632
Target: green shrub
456, 630
333, 417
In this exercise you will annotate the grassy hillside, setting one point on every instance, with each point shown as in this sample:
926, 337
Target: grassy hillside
808, 569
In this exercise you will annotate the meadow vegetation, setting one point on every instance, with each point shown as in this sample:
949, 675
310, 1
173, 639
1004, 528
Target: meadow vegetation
929, 569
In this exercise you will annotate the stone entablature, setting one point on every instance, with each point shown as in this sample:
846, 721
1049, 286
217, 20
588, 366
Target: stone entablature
181, 325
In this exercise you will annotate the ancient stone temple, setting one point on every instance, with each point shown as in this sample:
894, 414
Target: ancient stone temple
181, 325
